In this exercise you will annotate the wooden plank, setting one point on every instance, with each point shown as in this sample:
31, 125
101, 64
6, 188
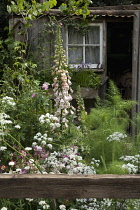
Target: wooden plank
135, 53
113, 12
98, 12
138, 63
69, 186
102, 89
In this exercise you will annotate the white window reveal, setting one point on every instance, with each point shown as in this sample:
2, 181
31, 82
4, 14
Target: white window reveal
85, 49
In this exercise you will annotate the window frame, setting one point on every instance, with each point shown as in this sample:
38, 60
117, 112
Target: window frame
92, 65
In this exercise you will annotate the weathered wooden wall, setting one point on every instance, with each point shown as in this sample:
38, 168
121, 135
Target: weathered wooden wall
136, 67
69, 186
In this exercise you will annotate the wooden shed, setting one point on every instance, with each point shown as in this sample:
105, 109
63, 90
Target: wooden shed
111, 46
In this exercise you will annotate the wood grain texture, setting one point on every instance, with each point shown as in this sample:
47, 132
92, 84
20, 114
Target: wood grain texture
69, 186
102, 12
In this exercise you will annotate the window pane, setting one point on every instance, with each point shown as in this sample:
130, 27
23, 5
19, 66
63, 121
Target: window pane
74, 37
92, 55
75, 55
93, 35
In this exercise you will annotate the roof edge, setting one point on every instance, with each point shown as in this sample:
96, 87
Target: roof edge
119, 7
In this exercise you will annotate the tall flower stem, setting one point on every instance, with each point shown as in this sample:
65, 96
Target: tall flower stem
113, 152
40, 170
62, 84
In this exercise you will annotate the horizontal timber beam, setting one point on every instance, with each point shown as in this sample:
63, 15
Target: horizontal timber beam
99, 12
69, 186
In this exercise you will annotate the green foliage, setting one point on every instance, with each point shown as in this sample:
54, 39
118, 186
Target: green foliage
87, 78
114, 168
111, 116
79, 7
3, 19
30, 11
18, 82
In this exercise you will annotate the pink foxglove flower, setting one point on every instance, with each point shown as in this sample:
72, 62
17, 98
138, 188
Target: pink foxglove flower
61, 83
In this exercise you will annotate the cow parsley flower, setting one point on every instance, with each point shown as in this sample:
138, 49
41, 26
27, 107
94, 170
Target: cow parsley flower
18, 170
29, 199
116, 136
44, 204
4, 208
17, 126
132, 163
11, 163
41, 203
3, 148
50, 146
131, 168
62, 207
8, 100
28, 148
4, 119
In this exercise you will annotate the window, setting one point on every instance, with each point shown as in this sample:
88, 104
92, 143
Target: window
86, 49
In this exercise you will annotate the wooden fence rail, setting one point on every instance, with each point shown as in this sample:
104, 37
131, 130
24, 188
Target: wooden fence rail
69, 186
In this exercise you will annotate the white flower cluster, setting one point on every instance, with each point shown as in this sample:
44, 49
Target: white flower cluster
95, 162
131, 158
8, 100
3, 148
93, 204
50, 120
116, 136
68, 161
17, 126
131, 168
29, 199
132, 165
42, 139
44, 205
4, 208
4, 119
62, 207
136, 204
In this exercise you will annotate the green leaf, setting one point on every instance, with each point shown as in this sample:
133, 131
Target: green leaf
71, 3
52, 3
12, 2
20, 4
85, 11
63, 7
9, 9
30, 16
46, 5
35, 13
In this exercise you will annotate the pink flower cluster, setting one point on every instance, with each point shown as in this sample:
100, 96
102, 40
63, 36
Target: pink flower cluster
62, 85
